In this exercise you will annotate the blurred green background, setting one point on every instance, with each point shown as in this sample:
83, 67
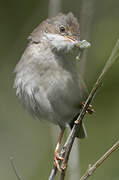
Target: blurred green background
31, 142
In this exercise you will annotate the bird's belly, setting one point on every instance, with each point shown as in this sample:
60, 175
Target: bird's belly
64, 98
53, 97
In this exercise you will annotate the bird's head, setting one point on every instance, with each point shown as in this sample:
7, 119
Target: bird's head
61, 32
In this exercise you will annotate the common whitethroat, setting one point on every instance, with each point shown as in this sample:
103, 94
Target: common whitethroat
47, 81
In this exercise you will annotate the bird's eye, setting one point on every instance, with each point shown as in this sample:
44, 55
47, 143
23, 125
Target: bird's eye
62, 29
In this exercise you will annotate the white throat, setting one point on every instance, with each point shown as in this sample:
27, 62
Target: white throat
59, 41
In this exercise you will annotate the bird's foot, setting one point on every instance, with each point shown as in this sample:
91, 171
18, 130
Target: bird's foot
57, 158
89, 110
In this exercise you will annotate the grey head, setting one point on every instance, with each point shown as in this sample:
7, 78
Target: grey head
61, 31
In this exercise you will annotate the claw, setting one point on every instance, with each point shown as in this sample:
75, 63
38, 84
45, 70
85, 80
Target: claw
57, 157
64, 166
90, 109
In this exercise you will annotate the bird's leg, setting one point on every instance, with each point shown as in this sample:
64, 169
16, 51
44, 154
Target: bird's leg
56, 153
90, 109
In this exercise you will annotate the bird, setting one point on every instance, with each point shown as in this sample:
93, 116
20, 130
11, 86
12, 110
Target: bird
47, 81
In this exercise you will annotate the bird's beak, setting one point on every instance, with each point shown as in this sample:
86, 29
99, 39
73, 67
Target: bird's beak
73, 40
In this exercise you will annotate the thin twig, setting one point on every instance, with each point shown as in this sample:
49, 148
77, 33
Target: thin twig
92, 168
62, 176
14, 168
69, 142
86, 19
67, 149
53, 173
54, 169
111, 60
